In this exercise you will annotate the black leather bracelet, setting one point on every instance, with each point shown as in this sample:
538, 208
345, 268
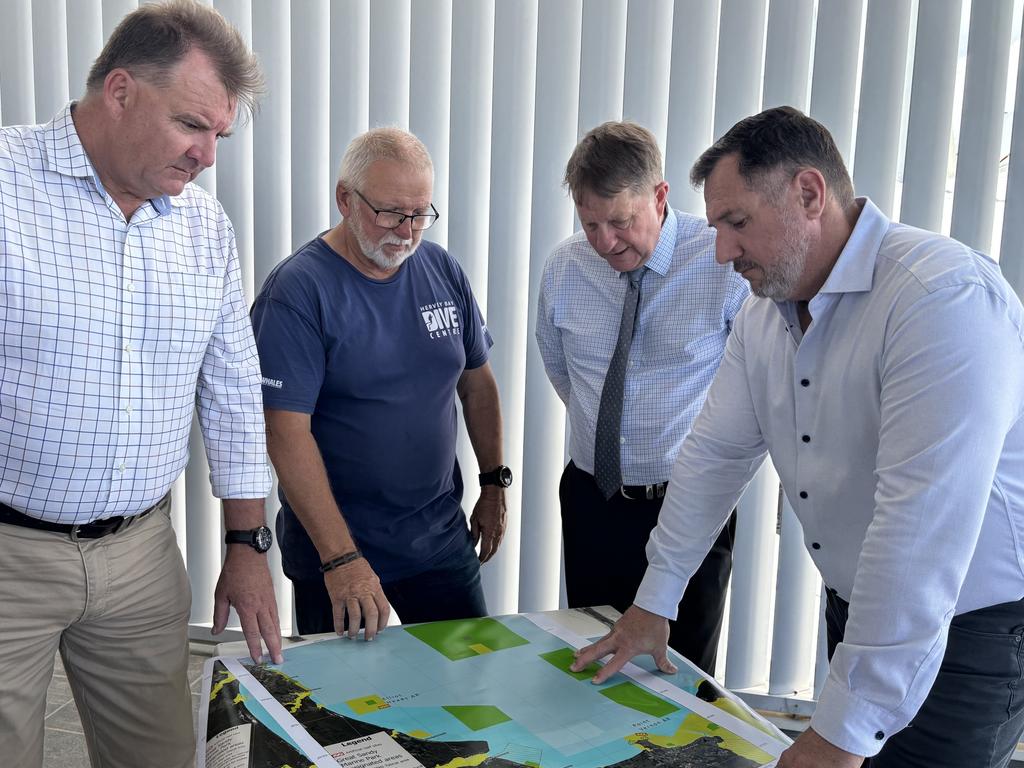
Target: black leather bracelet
340, 560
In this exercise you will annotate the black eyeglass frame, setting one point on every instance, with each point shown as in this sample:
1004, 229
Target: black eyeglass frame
378, 211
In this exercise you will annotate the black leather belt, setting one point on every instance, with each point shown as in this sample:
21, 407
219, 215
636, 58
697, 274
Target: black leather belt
644, 492
94, 530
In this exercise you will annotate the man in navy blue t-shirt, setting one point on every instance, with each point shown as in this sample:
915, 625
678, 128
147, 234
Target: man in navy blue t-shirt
366, 335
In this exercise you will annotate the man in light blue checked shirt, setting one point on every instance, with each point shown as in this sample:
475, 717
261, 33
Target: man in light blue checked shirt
685, 311
121, 311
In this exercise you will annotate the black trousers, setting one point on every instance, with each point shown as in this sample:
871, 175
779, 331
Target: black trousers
973, 716
605, 561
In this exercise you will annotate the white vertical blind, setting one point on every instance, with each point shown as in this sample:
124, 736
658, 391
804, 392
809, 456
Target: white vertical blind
1011, 254
981, 126
787, 60
500, 93
837, 48
50, 55
741, 37
312, 166
17, 80
559, 33
349, 93
390, 30
648, 65
602, 62
691, 97
886, 43
931, 113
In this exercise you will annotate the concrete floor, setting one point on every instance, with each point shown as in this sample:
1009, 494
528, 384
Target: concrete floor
64, 742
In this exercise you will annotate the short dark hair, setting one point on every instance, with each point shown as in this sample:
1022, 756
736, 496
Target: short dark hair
613, 157
151, 40
778, 138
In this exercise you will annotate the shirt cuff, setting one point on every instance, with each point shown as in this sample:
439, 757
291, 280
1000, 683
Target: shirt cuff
852, 723
247, 483
660, 593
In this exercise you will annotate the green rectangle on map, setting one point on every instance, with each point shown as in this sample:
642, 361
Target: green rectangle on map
479, 716
563, 657
466, 638
635, 697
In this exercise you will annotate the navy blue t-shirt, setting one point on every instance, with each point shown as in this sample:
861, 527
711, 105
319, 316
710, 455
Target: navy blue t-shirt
376, 364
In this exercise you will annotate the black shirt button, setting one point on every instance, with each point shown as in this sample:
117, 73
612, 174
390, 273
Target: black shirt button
879, 735
806, 438
803, 494
805, 382
815, 545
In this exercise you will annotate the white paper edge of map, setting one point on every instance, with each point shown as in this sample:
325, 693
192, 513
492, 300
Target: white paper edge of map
757, 737
316, 753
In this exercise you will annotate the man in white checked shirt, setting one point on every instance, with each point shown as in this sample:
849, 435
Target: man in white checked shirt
669, 355
121, 311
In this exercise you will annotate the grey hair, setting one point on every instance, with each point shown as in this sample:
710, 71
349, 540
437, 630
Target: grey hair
613, 157
384, 143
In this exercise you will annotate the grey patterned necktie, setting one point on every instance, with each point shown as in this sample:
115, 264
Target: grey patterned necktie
607, 448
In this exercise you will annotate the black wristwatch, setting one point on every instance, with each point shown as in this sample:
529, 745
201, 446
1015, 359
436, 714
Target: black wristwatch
500, 476
259, 539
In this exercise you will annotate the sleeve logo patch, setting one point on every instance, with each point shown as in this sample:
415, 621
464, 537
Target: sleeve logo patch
272, 383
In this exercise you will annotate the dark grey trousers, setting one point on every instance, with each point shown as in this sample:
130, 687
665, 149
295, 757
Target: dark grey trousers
974, 714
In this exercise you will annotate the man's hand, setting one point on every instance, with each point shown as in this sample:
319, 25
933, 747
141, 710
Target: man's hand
637, 632
487, 523
812, 751
356, 593
245, 584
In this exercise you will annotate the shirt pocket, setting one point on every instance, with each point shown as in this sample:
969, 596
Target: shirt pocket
182, 312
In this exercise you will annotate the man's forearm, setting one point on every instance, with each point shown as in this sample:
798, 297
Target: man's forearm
243, 514
481, 409
301, 472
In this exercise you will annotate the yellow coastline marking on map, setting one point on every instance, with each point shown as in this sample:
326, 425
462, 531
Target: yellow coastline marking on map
293, 707
365, 704
695, 726
228, 678
480, 648
465, 762
239, 699
736, 710
419, 734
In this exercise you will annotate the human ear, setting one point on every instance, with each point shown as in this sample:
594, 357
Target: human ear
812, 188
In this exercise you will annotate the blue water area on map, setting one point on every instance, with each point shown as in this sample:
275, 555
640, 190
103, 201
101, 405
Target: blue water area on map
556, 718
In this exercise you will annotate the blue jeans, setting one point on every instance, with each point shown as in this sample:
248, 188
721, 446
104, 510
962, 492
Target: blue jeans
449, 590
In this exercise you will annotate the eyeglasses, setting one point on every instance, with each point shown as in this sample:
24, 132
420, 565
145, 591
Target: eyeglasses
395, 219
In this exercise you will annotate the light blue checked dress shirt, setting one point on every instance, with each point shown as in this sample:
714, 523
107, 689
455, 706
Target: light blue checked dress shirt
111, 334
687, 303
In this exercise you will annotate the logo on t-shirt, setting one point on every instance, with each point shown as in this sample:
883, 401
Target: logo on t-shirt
275, 383
441, 319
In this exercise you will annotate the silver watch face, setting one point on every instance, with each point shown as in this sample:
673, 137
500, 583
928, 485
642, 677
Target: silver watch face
262, 539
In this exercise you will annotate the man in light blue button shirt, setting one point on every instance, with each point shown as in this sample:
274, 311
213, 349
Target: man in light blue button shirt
882, 368
686, 306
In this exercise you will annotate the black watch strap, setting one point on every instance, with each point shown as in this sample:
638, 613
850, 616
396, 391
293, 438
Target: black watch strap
259, 538
500, 476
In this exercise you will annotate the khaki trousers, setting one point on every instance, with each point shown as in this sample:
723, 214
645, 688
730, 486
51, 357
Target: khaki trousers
117, 609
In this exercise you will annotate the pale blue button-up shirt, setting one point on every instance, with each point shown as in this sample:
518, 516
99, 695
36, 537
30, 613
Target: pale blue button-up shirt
898, 415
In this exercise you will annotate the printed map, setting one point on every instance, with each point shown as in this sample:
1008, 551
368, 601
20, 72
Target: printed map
494, 692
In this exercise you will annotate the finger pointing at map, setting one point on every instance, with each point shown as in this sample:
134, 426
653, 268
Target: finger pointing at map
637, 632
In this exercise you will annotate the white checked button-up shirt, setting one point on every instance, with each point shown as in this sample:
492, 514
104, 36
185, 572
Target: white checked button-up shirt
895, 423
111, 334
687, 305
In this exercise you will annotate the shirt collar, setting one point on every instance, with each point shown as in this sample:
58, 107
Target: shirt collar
661, 257
66, 155
854, 270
